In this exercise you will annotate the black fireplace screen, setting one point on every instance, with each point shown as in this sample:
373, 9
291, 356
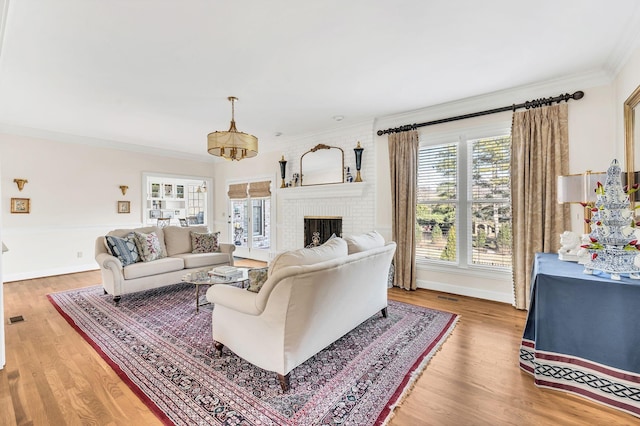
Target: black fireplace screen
317, 230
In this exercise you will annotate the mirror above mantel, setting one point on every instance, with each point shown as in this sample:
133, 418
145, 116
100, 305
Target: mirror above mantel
321, 165
632, 134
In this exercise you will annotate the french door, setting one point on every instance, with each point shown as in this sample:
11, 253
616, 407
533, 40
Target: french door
251, 226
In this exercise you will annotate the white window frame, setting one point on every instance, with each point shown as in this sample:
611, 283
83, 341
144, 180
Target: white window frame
147, 176
463, 202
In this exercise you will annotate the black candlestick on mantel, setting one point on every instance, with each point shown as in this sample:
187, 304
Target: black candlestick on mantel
358, 150
283, 169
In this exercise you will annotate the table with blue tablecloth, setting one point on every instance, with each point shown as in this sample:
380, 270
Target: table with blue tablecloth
583, 333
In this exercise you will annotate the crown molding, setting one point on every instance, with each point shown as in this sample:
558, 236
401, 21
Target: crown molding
629, 41
102, 143
497, 99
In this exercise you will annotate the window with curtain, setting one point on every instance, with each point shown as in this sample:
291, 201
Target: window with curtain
463, 212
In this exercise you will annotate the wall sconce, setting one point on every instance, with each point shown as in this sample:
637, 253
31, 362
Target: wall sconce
124, 188
202, 188
20, 183
283, 169
358, 150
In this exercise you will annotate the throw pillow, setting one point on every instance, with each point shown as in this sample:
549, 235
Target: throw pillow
148, 246
331, 249
123, 248
257, 277
204, 243
364, 242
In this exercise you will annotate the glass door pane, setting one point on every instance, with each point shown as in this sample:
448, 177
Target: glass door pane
239, 222
261, 220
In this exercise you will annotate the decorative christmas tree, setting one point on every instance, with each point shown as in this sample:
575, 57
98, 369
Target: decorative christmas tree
614, 240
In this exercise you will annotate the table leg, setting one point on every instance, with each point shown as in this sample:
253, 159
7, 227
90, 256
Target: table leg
197, 298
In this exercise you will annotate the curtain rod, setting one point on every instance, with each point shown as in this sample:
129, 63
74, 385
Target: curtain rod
528, 104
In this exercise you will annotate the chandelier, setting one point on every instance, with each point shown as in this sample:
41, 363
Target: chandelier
232, 144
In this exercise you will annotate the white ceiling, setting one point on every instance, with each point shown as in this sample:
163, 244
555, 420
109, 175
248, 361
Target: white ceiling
158, 73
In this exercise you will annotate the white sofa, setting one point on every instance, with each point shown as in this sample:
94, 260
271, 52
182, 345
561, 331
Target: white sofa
303, 307
175, 242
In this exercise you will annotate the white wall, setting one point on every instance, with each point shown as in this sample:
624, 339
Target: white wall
2, 342
74, 189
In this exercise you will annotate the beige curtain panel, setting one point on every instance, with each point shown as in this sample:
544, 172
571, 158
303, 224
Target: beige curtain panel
237, 191
403, 161
539, 153
260, 189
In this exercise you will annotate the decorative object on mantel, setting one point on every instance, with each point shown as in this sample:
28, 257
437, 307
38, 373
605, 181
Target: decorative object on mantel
232, 144
20, 183
570, 242
124, 188
20, 205
614, 237
283, 170
358, 151
348, 177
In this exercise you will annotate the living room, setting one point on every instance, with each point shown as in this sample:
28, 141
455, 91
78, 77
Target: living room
73, 179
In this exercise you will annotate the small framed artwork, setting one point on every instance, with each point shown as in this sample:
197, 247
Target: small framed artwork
20, 205
124, 207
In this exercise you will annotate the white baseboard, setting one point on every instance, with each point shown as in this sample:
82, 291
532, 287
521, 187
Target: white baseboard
49, 272
466, 291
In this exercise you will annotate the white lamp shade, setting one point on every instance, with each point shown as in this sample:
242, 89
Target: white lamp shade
579, 188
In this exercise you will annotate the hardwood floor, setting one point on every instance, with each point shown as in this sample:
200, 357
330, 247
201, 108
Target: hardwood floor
53, 377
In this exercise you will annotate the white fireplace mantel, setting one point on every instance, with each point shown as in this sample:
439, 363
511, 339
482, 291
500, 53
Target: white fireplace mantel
336, 190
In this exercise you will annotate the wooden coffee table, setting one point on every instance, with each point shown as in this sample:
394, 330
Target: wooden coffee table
203, 277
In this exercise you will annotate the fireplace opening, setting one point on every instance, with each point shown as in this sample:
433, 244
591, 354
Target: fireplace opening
317, 230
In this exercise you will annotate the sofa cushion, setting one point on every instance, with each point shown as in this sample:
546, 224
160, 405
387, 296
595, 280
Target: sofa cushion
146, 230
159, 266
257, 277
124, 249
204, 242
149, 246
364, 242
333, 248
198, 260
177, 239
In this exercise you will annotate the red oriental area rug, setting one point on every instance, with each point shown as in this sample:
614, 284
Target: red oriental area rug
163, 350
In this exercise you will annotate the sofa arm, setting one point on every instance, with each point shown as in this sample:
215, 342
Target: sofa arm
229, 249
107, 261
112, 273
234, 298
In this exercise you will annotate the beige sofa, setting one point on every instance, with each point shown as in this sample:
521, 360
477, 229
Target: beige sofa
175, 242
308, 301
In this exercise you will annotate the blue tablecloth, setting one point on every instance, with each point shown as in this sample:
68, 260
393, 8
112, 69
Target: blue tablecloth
583, 333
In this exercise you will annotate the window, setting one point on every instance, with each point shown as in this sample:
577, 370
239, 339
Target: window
463, 213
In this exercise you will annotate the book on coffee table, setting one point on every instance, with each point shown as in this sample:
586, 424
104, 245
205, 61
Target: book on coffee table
226, 272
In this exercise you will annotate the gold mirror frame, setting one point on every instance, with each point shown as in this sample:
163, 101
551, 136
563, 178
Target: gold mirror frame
629, 144
321, 165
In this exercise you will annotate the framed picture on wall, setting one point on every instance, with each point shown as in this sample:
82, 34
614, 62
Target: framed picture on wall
124, 207
20, 205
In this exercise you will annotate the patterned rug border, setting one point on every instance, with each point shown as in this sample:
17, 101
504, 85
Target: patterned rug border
414, 373
400, 394
161, 415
